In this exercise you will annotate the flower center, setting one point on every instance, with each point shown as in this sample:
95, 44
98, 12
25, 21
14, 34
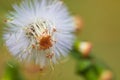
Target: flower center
45, 42
41, 34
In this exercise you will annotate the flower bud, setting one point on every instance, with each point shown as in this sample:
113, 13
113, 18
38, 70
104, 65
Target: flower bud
79, 23
106, 75
85, 48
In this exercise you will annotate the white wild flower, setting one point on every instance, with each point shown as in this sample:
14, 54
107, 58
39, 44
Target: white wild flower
39, 31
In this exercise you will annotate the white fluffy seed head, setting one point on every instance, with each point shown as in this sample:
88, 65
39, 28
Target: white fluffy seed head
40, 31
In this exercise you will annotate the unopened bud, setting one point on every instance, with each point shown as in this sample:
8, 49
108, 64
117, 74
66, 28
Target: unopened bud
106, 75
79, 23
85, 48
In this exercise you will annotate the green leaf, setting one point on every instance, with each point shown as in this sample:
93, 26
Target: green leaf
12, 72
91, 75
83, 65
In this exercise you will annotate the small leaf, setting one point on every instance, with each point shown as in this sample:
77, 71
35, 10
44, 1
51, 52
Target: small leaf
83, 65
12, 72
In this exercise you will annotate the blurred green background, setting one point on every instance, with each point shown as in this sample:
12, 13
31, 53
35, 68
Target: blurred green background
101, 27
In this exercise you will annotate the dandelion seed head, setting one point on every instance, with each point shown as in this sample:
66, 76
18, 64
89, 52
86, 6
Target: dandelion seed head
40, 30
